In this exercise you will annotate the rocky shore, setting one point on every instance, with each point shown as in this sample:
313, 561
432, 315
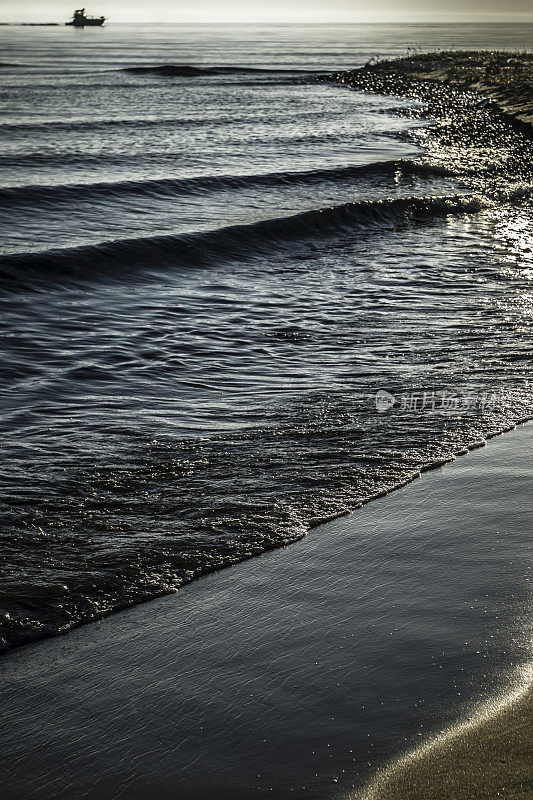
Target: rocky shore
499, 78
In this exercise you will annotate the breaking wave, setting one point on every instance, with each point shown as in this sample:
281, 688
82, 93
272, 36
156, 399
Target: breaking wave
166, 187
223, 244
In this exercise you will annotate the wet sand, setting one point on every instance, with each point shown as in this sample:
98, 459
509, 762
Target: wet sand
490, 756
295, 674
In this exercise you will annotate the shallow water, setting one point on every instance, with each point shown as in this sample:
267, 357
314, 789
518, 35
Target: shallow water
297, 673
247, 257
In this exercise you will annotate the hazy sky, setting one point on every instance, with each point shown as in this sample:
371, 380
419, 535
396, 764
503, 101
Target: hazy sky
271, 11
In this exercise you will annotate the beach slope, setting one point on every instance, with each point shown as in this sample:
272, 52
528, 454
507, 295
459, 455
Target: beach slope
487, 757
503, 78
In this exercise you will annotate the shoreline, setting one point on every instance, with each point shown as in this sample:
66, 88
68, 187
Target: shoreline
112, 597
294, 673
488, 754
317, 522
460, 762
500, 79
485, 756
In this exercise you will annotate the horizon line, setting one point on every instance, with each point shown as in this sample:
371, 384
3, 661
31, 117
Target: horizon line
392, 20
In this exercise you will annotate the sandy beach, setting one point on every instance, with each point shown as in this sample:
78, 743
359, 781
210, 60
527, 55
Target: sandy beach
486, 757
286, 675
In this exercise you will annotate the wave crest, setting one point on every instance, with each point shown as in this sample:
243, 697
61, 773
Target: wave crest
27, 270
167, 187
189, 71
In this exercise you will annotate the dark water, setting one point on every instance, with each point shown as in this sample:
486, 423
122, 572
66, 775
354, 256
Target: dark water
206, 276
300, 672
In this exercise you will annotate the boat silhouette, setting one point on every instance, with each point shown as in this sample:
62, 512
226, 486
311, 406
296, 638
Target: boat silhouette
79, 20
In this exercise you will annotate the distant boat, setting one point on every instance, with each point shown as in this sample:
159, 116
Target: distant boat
79, 20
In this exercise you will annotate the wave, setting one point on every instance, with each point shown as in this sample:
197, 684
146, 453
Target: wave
31, 270
38, 159
168, 187
103, 124
72, 125
189, 71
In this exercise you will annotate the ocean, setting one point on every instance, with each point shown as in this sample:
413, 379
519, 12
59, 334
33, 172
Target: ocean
211, 263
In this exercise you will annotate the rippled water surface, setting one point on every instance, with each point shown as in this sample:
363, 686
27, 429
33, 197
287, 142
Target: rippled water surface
207, 274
